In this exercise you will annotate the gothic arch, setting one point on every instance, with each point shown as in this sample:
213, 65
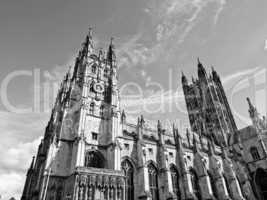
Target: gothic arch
153, 181
175, 180
195, 183
260, 179
94, 158
129, 159
128, 170
152, 162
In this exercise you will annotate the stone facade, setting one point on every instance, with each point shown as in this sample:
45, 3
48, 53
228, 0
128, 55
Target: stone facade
91, 152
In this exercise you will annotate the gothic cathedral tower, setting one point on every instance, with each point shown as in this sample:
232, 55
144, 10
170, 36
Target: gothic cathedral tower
208, 109
82, 135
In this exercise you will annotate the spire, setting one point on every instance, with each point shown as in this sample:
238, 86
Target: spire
88, 44
195, 145
215, 75
201, 70
123, 117
142, 121
87, 49
32, 164
252, 110
177, 138
159, 126
184, 79
111, 57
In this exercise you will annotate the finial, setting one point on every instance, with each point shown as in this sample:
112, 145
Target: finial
198, 61
142, 120
111, 40
249, 102
32, 164
184, 79
212, 68
90, 31
159, 125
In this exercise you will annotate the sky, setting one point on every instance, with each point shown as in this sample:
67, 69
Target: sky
154, 39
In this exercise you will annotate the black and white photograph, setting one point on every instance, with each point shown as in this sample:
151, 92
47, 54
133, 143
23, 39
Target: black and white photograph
133, 100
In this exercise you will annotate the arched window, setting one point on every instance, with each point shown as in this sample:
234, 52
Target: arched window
153, 181
175, 181
254, 153
195, 185
213, 185
129, 174
101, 111
92, 87
92, 108
94, 159
94, 68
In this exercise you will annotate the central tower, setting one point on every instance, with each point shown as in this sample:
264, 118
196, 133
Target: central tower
208, 108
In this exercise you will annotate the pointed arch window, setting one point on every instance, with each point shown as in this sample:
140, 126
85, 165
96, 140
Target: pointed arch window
101, 112
254, 153
129, 174
94, 159
93, 68
195, 184
175, 181
92, 108
153, 181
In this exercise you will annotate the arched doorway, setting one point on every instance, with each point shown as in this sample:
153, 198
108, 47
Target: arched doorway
94, 159
127, 167
195, 184
153, 181
175, 181
261, 183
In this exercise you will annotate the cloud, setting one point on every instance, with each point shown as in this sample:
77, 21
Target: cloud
14, 162
171, 22
21, 137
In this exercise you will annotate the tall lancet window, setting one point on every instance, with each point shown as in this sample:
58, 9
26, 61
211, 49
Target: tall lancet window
254, 153
101, 112
175, 181
94, 68
195, 184
129, 173
153, 181
92, 108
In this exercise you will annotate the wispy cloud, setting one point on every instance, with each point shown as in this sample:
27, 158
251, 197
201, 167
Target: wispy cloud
172, 21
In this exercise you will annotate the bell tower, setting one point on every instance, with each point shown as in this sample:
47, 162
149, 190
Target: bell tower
208, 108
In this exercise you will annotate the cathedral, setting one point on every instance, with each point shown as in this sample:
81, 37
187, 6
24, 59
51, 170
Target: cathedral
91, 152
